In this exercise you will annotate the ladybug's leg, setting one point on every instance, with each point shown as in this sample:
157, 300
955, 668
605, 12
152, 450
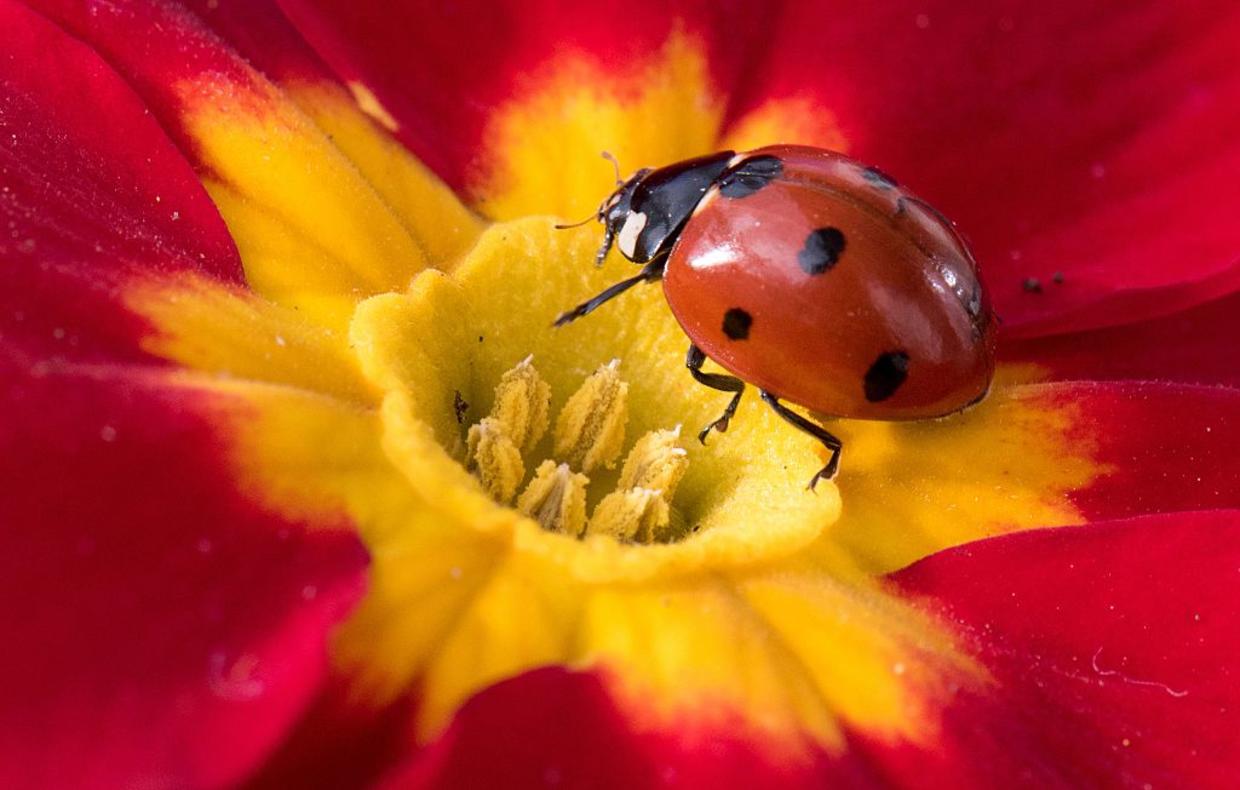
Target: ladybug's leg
650, 272
609, 237
693, 361
813, 429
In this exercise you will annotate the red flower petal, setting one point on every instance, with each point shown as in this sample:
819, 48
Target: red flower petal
442, 91
259, 32
324, 206
160, 629
1112, 646
1167, 448
86, 203
1068, 138
551, 727
112, 248
338, 743
1196, 346
155, 47
1085, 138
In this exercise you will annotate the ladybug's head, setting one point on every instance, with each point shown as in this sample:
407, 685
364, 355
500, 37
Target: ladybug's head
619, 219
644, 215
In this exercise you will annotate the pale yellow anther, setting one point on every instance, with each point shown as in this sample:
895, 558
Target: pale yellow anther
522, 405
495, 459
589, 433
590, 429
639, 509
633, 515
656, 461
556, 498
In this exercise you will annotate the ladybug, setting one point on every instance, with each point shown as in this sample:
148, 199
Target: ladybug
816, 278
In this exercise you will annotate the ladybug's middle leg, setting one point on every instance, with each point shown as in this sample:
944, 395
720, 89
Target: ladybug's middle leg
693, 361
813, 429
650, 273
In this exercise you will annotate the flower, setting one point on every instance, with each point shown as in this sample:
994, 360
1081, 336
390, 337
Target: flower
289, 502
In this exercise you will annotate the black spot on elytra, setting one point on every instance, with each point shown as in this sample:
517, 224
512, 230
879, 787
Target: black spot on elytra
750, 176
822, 250
878, 178
886, 375
736, 323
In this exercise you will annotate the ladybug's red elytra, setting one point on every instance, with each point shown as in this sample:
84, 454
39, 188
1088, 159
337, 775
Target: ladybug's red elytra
813, 277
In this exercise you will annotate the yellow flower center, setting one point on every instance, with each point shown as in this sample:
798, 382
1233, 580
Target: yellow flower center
588, 438
575, 458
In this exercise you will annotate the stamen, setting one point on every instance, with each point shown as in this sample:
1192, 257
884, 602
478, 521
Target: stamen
656, 461
496, 459
522, 404
590, 430
640, 509
517, 421
632, 515
556, 498
589, 433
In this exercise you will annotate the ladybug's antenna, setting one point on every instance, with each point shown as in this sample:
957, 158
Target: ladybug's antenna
616, 164
590, 218
599, 214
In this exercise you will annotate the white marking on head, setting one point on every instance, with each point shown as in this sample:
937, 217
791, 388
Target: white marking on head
632, 228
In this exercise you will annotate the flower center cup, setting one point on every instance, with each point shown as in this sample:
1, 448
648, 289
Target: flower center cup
566, 441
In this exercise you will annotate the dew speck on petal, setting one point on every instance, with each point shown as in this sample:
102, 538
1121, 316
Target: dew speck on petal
234, 678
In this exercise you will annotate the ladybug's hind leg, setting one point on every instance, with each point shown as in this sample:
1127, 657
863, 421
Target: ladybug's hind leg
693, 361
813, 429
650, 273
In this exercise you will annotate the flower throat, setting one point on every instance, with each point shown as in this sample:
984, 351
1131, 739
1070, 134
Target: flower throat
588, 439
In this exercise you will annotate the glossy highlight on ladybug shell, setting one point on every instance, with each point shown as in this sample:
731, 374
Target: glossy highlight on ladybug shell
860, 299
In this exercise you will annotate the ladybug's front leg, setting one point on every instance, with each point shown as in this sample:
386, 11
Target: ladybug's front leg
694, 361
813, 429
650, 273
